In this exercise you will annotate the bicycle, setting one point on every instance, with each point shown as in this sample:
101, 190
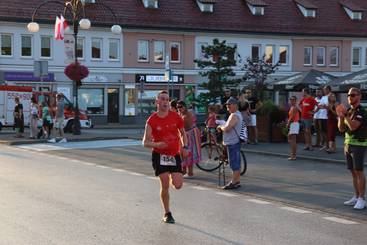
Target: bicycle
214, 154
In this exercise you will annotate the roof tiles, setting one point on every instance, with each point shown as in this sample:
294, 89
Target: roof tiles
281, 18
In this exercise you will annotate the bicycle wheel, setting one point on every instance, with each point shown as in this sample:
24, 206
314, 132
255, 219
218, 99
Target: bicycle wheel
210, 154
243, 163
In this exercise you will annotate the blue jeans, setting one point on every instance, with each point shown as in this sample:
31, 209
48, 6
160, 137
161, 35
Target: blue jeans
234, 156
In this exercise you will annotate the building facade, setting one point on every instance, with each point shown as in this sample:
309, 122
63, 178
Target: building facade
127, 70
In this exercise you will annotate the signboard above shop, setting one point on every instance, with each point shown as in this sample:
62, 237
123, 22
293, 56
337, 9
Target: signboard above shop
154, 78
27, 77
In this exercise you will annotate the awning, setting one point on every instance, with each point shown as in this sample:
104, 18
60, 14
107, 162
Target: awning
356, 79
309, 79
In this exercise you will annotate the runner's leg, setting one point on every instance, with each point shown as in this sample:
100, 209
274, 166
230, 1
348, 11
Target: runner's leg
176, 180
164, 181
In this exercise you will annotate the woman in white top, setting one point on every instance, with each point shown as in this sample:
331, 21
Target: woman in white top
33, 119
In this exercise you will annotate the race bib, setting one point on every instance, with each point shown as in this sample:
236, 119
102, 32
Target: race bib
168, 160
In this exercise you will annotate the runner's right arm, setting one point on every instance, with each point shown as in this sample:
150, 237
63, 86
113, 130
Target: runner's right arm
147, 139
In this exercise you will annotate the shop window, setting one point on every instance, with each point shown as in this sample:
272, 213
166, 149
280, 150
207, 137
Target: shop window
201, 53
114, 49
80, 48
96, 48
175, 52
6, 45
130, 101
91, 100
232, 57
26, 43
143, 51
356, 56
307, 56
159, 51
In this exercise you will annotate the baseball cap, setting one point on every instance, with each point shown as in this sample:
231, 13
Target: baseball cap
232, 100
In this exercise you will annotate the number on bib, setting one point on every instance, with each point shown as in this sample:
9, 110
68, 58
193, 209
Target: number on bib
168, 160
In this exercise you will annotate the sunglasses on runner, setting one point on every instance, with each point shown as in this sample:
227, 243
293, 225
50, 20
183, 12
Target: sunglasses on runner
352, 95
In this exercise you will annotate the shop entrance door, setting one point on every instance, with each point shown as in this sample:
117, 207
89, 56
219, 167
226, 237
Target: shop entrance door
113, 105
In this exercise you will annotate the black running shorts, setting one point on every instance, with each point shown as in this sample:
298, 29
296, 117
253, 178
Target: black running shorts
354, 155
159, 169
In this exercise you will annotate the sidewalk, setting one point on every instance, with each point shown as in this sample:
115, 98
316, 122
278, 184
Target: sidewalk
7, 135
283, 149
135, 132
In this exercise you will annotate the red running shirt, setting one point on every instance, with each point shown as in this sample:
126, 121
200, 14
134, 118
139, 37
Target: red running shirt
307, 105
166, 129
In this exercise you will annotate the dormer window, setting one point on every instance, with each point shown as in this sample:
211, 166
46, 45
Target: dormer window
206, 5
150, 4
257, 7
307, 9
353, 11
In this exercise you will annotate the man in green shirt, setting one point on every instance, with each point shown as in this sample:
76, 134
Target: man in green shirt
353, 123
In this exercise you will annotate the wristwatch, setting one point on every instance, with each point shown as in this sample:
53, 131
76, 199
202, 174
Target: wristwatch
186, 147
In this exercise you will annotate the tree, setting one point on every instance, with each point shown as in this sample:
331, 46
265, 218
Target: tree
258, 71
219, 58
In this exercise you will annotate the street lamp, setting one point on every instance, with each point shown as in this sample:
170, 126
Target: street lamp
77, 9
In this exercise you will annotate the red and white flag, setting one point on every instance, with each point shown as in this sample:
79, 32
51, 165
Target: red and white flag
60, 26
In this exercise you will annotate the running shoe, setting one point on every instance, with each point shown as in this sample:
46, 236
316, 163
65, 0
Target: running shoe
168, 218
231, 186
63, 140
361, 204
351, 202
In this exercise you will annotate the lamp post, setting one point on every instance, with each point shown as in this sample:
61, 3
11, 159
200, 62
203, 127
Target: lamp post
77, 10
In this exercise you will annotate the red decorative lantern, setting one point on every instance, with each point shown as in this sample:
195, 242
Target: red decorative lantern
76, 72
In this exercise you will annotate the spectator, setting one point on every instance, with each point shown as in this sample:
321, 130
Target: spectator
307, 105
59, 117
231, 133
323, 109
293, 126
317, 121
332, 123
193, 140
223, 110
354, 123
33, 119
47, 124
255, 104
18, 118
173, 105
210, 121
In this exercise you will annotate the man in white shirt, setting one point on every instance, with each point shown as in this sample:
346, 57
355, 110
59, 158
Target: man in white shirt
317, 121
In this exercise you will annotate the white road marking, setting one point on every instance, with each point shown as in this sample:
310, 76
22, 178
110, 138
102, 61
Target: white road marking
101, 166
135, 174
258, 201
74, 160
226, 194
200, 188
296, 210
341, 221
153, 178
88, 163
80, 145
119, 170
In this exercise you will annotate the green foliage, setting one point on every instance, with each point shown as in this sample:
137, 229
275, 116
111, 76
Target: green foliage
272, 111
219, 58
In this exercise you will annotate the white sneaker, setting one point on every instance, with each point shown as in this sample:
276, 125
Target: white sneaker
361, 204
63, 140
351, 202
53, 140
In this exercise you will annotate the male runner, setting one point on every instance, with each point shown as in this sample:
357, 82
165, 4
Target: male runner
163, 132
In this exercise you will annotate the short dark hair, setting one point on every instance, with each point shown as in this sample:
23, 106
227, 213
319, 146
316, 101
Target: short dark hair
173, 104
328, 87
293, 97
307, 90
161, 92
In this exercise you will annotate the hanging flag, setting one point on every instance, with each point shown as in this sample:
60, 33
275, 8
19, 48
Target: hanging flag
60, 26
